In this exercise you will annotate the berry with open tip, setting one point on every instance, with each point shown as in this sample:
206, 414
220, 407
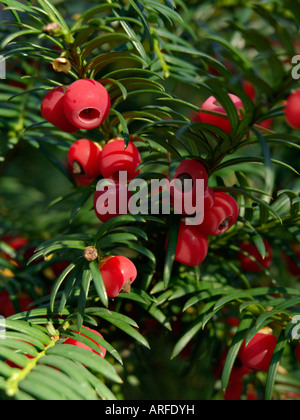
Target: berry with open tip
222, 215
86, 104
83, 158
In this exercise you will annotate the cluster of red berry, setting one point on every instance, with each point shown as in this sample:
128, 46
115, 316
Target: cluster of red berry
253, 356
220, 214
85, 104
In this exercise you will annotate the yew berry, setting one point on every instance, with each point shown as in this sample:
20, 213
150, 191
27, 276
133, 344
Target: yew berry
222, 216
86, 104
188, 170
292, 109
7, 307
211, 104
83, 157
118, 273
254, 266
192, 246
52, 110
209, 198
257, 354
111, 202
249, 90
79, 179
77, 343
115, 158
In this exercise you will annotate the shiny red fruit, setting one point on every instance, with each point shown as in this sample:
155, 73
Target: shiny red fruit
253, 266
83, 157
209, 198
190, 170
86, 104
249, 90
77, 343
112, 202
52, 110
292, 109
117, 273
258, 353
211, 104
115, 158
222, 216
192, 246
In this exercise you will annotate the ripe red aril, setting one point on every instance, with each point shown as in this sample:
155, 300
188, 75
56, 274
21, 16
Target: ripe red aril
257, 354
221, 216
111, 201
116, 158
86, 104
192, 246
211, 104
77, 343
292, 109
253, 266
209, 198
191, 170
52, 110
118, 273
83, 157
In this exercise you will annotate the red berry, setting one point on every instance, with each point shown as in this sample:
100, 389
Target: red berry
83, 157
117, 273
266, 123
77, 343
222, 216
192, 246
191, 170
211, 104
258, 353
115, 158
251, 266
249, 90
53, 111
209, 198
15, 242
79, 179
86, 104
112, 202
292, 109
